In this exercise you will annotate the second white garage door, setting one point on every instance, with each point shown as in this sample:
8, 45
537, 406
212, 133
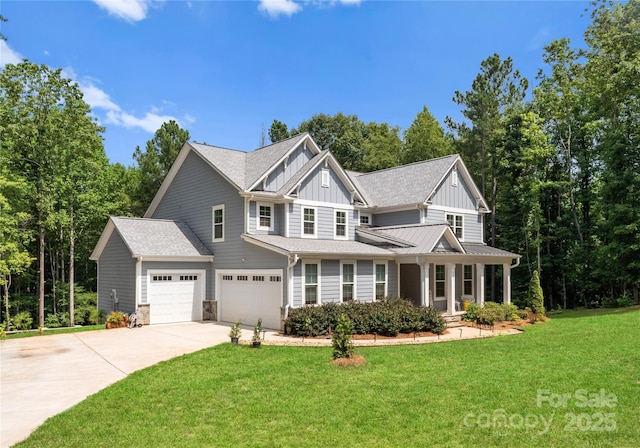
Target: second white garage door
247, 295
175, 296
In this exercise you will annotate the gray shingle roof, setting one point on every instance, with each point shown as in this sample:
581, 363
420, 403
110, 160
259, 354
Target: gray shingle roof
245, 168
407, 184
161, 238
483, 249
320, 247
421, 237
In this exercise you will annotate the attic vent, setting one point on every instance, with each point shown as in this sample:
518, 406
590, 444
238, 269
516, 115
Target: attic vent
325, 178
454, 178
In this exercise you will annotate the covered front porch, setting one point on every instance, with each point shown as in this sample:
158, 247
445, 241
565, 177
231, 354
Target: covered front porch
446, 282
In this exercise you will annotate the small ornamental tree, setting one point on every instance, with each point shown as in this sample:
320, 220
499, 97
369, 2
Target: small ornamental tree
535, 297
341, 338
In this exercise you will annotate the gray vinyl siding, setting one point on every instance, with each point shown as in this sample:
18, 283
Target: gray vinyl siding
471, 225
458, 197
172, 266
330, 281
297, 285
116, 270
190, 198
277, 217
325, 221
286, 169
365, 281
397, 218
392, 279
311, 188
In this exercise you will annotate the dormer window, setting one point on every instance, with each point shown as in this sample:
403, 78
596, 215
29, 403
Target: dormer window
325, 178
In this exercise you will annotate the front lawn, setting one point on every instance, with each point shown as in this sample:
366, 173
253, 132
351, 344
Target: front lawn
505, 391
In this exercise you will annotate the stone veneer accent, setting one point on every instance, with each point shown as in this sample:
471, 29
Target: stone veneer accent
210, 310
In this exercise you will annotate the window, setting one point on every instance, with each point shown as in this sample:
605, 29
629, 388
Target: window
162, 278
258, 278
455, 221
440, 280
242, 278
227, 277
218, 223
325, 178
265, 216
188, 277
381, 280
308, 222
275, 278
341, 224
365, 220
311, 284
348, 281
467, 288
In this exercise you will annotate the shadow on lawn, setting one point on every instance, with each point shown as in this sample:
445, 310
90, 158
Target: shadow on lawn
587, 312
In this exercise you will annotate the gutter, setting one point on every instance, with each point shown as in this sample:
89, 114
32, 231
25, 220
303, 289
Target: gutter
293, 260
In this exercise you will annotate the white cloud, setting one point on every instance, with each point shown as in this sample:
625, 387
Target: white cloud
350, 2
151, 122
129, 10
98, 98
274, 8
540, 39
8, 55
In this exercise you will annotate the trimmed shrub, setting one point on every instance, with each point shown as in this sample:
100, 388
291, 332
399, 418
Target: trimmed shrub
472, 313
341, 338
115, 317
387, 317
535, 297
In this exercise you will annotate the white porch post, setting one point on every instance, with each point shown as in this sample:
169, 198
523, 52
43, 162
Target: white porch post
427, 284
450, 275
480, 284
506, 283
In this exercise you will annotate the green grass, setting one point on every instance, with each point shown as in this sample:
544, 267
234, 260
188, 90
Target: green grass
405, 396
33, 333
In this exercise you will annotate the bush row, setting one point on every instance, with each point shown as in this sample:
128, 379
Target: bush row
493, 312
387, 317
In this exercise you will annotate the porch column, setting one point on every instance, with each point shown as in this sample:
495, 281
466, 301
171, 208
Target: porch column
480, 284
506, 283
426, 300
450, 275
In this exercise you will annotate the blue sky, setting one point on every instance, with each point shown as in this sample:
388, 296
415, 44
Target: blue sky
223, 69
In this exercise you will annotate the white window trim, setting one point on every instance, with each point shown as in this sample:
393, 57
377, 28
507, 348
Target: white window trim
368, 215
315, 224
325, 178
473, 275
386, 279
335, 225
453, 228
258, 226
304, 281
435, 282
213, 223
355, 278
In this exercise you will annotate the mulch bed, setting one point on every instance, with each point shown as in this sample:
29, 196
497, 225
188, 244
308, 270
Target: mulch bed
354, 361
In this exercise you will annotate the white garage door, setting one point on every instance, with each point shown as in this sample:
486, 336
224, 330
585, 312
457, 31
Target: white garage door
175, 296
249, 295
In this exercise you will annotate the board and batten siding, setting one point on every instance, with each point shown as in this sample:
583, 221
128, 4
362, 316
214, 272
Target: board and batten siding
172, 266
399, 218
330, 283
365, 281
311, 188
190, 198
283, 172
448, 195
392, 279
471, 223
277, 217
116, 270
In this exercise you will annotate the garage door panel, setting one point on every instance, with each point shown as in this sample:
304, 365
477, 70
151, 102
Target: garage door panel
249, 295
175, 297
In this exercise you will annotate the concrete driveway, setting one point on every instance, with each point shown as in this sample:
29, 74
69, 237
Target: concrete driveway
43, 376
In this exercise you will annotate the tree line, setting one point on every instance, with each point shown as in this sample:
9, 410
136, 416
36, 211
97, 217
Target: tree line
560, 170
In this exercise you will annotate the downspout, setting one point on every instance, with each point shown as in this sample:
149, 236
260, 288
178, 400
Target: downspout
138, 297
517, 263
293, 260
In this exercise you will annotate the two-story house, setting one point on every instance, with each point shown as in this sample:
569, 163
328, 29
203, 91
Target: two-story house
234, 235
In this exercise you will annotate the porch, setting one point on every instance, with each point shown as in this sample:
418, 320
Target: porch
447, 284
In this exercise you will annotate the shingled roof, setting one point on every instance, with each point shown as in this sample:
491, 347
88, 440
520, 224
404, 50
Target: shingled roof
154, 238
411, 183
246, 168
